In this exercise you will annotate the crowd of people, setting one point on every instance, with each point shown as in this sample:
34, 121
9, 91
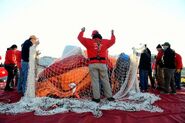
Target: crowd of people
167, 70
166, 76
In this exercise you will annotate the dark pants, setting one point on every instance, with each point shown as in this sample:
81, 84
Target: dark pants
143, 75
160, 77
10, 69
152, 81
169, 80
178, 79
14, 81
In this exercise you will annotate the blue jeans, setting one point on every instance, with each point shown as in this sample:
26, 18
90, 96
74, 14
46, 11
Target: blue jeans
21, 87
143, 75
178, 79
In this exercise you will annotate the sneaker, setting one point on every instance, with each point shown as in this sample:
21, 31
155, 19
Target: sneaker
110, 99
153, 87
143, 91
173, 92
12, 84
164, 92
8, 89
96, 100
21, 94
178, 88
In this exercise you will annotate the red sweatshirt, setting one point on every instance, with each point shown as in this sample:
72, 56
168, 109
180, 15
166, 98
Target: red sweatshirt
10, 57
92, 47
159, 56
178, 61
18, 58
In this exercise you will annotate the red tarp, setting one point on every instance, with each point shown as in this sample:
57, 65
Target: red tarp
173, 106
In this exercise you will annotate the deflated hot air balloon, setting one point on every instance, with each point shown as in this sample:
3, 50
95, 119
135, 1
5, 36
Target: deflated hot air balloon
69, 76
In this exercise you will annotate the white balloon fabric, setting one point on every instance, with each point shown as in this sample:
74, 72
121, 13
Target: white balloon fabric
70, 50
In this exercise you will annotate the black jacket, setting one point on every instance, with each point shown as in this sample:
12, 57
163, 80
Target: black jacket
145, 61
169, 58
25, 50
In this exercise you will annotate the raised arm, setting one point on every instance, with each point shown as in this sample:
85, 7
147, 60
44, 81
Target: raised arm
112, 40
80, 35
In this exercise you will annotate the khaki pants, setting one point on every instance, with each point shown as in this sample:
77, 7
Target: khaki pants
99, 72
160, 77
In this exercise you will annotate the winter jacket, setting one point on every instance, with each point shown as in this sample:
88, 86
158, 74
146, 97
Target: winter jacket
92, 47
25, 50
10, 58
18, 58
178, 61
145, 61
159, 58
169, 59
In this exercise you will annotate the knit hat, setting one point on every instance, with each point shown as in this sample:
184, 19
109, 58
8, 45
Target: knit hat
158, 46
95, 32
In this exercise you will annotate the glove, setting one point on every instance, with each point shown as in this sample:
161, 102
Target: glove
83, 29
112, 32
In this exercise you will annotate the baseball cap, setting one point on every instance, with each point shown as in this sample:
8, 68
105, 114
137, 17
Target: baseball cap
166, 44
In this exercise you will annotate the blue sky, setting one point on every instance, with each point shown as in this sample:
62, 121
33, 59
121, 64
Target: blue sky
57, 23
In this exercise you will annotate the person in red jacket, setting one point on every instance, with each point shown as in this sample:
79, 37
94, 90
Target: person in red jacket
159, 67
18, 58
17, 71
1, 63
97, 55
10, 65
179, 66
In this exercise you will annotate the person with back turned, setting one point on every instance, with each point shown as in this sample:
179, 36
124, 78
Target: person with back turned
97, 52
